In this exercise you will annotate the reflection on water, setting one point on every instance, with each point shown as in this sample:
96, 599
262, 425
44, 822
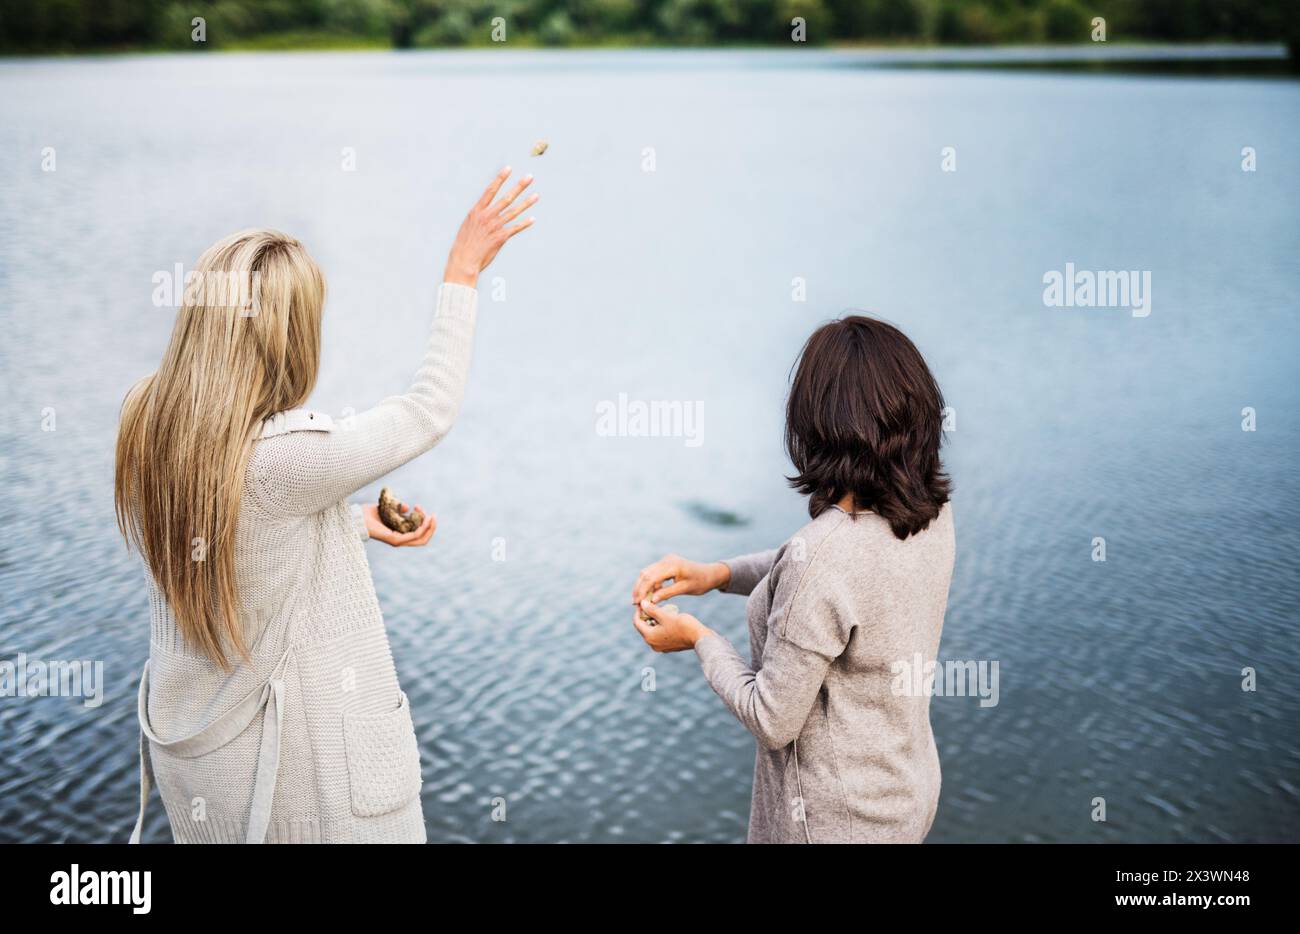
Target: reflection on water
682, 197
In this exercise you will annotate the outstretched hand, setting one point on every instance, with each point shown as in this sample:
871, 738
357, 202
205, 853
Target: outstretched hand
376, 529
486, 229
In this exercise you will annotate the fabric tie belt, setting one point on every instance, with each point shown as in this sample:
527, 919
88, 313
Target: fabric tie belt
268, 700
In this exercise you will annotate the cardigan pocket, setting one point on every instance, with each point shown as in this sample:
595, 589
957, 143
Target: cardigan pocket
383, 759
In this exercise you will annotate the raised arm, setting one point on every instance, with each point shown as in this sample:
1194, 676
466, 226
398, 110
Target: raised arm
303, 472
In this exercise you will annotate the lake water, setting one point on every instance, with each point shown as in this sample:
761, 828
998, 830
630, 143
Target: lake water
1119, 680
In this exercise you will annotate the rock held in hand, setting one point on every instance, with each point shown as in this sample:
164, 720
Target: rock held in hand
391, 515
670, 607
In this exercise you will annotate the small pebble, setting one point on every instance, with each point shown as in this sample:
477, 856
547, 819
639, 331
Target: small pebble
670, 607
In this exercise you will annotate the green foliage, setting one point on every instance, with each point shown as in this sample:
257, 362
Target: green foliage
962, 23
28, 26
448, 28
818, 21
557, 29
1066, 21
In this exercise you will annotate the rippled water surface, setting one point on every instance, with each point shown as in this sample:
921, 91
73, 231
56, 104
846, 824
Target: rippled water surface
1119, 680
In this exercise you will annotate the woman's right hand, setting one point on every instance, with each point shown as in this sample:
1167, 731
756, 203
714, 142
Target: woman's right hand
486, 228
689, 577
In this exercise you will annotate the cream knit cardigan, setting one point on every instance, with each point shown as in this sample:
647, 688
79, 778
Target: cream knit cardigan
314, 741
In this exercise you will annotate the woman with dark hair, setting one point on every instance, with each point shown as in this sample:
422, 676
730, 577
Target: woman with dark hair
843, 612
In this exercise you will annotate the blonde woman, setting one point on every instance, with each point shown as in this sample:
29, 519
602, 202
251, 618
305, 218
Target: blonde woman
270, 709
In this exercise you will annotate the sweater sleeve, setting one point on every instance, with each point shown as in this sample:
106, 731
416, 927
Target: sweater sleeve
774, 701
808, 627
303, 472
748, 570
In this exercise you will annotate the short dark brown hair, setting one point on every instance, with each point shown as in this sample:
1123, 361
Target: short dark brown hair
865, 416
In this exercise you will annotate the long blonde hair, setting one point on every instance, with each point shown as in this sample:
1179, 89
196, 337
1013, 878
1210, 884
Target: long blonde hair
246, 344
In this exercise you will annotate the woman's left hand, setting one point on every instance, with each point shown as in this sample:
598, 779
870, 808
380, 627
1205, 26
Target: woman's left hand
670, 631
376, 529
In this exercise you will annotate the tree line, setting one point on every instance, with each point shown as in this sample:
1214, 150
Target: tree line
43, 26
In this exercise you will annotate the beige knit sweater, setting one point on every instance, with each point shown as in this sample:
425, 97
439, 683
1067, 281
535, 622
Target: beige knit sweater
314, 741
